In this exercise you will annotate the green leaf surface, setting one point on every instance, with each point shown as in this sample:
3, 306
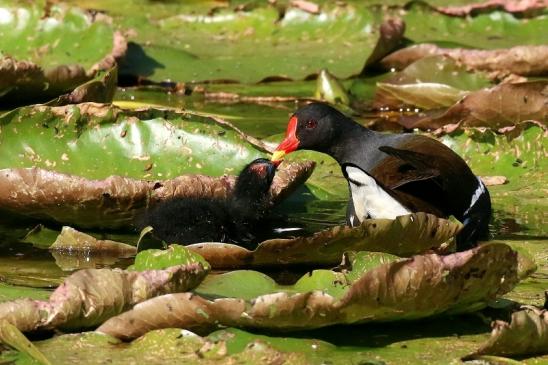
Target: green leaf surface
485, 31
247, 284
99, 140
514, 155
162, 259
175, 42
49, 50
12, 292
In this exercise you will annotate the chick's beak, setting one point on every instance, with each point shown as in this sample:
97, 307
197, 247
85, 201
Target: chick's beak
278, 156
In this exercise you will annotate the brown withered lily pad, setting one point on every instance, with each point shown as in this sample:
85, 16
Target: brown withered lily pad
89, 297
525, 334
511, 6
519, 60
72, 240
403, 236
114, 202
412, 288
504, 105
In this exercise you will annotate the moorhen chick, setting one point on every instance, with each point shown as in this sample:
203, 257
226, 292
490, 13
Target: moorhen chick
392, 174
234, 219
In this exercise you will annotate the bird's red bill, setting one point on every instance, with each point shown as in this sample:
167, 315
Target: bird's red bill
290, 143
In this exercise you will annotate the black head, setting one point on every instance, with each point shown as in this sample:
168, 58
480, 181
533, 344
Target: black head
255, 178
312, 127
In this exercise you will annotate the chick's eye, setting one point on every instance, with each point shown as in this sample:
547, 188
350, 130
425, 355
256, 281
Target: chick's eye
311, 123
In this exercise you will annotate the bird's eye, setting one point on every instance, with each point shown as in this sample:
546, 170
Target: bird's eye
311, 123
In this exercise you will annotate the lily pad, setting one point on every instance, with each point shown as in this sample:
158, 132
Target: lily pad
514, 155
428, 83
100, 89
10, 335
175, 42
513, 6
11, 292
485, 31
55, 154
163, 259
173, 345
519, 60
48, 50
89, 297
72, 240
414, 288
502, 106
525, 334
403, 236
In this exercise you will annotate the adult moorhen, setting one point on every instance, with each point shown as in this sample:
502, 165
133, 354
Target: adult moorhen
392, 174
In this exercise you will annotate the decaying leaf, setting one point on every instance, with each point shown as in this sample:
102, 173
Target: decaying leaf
430, 82
519, 60
10, 335
504, 105
425, 95
403, 236
512, 6
73, 240
115, 201
413, 288
100, 89
89, 297
526, 334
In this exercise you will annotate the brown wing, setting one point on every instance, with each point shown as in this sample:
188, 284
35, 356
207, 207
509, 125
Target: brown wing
413, 173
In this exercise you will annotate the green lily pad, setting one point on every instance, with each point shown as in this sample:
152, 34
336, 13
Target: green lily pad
176, 42
518, 60
485, 31
48, 50
89, 297
252, 284
99, 140
11, 292
514, 155
415, 288
162, 259
31, 270
175, 345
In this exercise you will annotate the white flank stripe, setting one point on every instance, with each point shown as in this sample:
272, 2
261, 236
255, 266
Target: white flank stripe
370, 199
477, 193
